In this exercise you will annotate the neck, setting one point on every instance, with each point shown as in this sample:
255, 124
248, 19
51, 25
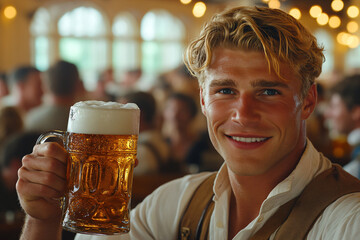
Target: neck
249, 192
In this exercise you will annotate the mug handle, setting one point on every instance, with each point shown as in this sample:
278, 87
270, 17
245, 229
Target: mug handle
51, 134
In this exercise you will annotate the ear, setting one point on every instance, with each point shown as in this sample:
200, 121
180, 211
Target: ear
309, 102
202, 101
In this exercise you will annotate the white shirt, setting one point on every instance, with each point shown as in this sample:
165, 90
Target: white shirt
158, 216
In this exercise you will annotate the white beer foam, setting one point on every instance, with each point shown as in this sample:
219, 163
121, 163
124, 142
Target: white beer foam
98, 117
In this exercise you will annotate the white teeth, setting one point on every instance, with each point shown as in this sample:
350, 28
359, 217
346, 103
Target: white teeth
248, 140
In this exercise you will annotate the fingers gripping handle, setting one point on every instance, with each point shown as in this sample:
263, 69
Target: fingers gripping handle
60, 135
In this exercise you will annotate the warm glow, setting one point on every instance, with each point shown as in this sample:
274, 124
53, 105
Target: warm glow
337, 5
185, 1
334, 22
295, 12
323, 19
352, 26
353, 41
199, 9
274, 4
10, 12
342, 38
353, 11
315, 11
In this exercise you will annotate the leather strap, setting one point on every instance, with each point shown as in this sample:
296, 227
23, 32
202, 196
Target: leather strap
193, 224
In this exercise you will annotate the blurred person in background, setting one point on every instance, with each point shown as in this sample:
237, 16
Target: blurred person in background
161, 91
26, 90
182, 81
11, 122
202, 156
316, 128
130, 81
4, 88
12, 152
343, 113
179, 113
63, 89
102, 92
153, 151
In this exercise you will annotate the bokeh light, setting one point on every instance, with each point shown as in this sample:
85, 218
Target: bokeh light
10, 12
352, 27
274, 4
199, 9
185, 1
337, 5
323, 19
295, 12
353, 11
334, 22
315, 11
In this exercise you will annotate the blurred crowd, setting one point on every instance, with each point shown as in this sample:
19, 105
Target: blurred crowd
172, 139
173, 136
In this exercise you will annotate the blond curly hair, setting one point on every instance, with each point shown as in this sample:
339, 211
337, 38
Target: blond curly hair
275, 33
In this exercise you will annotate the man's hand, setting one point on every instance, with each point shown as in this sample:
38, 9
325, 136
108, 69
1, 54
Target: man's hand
42, 181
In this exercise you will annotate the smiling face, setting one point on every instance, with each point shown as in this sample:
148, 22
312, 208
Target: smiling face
256, 120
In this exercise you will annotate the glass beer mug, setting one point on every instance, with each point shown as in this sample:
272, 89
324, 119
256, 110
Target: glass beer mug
101, 139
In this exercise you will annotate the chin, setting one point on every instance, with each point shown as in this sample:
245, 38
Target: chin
248, 169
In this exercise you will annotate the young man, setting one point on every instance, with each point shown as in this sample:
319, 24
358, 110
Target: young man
256, 68
26, 89
63, 84
344, 114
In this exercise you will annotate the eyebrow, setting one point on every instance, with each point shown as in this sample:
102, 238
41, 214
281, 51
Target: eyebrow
222, 83
256, 83
266, 83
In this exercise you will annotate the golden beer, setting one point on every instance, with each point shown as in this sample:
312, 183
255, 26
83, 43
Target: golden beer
99, 178
101, 139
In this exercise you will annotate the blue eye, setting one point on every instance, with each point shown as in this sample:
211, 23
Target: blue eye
226, 91
270, 92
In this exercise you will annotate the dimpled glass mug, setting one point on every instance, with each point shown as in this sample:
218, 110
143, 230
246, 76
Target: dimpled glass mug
101, 139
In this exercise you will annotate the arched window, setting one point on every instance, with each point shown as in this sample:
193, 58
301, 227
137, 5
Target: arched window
83, 42
325, 40
126, 46
41, 43
162, 48
81, 34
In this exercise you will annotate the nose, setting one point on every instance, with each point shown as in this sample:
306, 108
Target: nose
245, 110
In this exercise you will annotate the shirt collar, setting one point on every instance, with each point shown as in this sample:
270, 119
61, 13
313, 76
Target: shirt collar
310, 165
